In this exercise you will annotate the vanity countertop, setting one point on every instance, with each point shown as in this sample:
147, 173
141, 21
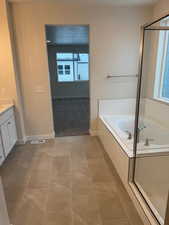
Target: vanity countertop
5, 107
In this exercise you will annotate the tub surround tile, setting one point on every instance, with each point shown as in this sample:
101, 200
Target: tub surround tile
66, 181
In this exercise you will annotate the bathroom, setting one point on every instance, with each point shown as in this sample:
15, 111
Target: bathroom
90, 179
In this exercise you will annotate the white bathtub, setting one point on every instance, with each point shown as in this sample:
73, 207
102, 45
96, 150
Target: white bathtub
114, 119
119, 125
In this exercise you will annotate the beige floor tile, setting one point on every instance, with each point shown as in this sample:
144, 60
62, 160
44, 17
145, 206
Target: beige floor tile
81, 184
66, 181
22, 213
99, 170
39, 179
86, 209
128, 206
116, 222
59, 198
14, 193
37, 217
62, 216
42, 162
105, 187
110, 207
61, 165
37, 197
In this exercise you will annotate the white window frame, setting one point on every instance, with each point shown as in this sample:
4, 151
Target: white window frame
161, 62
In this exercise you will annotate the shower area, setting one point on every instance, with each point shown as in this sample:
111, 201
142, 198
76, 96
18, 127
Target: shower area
151, 141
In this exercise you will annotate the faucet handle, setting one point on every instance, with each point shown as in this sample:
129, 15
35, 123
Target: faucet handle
142, 127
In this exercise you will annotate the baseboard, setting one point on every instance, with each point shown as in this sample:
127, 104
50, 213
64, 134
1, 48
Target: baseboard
93, 132
21, 141
40, 137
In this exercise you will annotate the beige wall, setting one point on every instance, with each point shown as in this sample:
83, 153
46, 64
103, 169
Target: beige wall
114, 49
161, 8
9, 85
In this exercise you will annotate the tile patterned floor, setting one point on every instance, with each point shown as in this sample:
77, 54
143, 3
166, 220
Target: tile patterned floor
71, 116
67, 181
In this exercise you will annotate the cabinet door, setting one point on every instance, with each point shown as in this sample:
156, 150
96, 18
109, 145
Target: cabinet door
9, 135
5, 138
12, 131
2, 157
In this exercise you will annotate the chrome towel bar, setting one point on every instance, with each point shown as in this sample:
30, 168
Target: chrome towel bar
111, 76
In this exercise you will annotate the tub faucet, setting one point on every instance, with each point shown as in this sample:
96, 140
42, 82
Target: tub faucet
139, 131
129, 135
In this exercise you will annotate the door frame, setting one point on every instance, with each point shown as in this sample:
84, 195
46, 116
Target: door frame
89, 68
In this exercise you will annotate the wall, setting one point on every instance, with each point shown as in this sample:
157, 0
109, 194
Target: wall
9, 85
114, 48
161, 8
117, 107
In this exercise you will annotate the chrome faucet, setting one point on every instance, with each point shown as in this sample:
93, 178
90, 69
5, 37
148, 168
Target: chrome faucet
139, 131
129, 135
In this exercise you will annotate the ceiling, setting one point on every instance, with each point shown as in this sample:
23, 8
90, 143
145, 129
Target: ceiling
110, 2
67, 35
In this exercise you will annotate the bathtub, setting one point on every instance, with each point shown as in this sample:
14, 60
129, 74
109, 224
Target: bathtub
120, 125
114, 138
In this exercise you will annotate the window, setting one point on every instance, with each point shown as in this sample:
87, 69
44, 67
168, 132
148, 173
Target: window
72, 67
67, 69
161, 90
60, 69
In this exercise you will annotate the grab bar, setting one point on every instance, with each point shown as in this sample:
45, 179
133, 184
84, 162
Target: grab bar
127, 75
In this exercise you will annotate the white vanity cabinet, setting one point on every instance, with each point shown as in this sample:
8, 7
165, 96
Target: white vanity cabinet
8, 131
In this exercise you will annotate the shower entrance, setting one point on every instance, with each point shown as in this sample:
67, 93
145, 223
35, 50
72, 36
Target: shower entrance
151, 144
68, 56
